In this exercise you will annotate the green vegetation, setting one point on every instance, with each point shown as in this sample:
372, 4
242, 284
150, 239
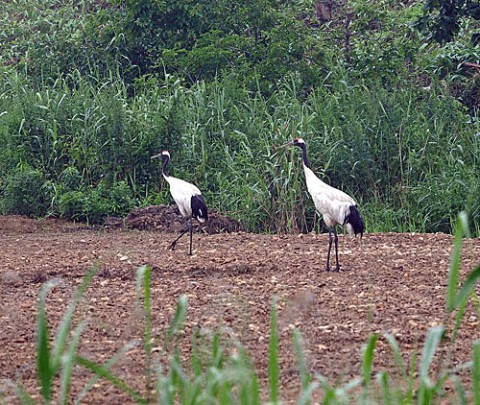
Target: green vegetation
218, 369
90, 90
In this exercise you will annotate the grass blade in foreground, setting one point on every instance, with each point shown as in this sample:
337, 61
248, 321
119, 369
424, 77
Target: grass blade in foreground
301, 359
64, 328
461, 230
106, 366
476, 372
178, 319
427, 389
273, 366
143, 279
45, 369
104, 373
49, 362
367, 363
68, 361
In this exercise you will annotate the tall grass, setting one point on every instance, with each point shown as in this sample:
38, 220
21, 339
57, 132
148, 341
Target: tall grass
213, 376
409, 156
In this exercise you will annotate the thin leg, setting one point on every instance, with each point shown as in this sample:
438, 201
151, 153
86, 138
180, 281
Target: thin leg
190, 226
337, 268
174, 243
329, 249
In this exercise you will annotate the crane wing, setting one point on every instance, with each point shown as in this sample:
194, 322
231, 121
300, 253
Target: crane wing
333, 204
182, 192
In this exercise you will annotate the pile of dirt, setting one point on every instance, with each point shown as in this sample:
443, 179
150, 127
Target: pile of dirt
24, 224
167, 218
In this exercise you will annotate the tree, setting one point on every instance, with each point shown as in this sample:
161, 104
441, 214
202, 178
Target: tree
441, 18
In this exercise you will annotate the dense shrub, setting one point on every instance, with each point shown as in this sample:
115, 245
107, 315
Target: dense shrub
26, 192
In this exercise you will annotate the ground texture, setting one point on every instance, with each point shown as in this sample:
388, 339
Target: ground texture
390, 283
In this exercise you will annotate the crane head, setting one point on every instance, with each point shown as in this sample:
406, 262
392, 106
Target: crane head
295, 142
162, 153
298, 142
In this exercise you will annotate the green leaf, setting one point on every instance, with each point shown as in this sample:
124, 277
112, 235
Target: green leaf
120, 353
385, 384
461, 395
64, 327
143, 281
397, 354
476, 372
428, 351
307, 392
273, 365
105, 373
24, 396
45, 369
301, 359
460, 231
367, 363
467, 287
68, 361
178, 319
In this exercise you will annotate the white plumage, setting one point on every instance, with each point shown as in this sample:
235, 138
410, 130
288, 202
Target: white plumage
182, 192
336, 207
187, 196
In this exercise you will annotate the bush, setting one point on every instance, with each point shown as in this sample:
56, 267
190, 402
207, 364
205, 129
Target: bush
27, 192
72, 205
94, 204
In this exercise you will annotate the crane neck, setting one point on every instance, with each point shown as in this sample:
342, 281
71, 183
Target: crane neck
166, 159
306, 163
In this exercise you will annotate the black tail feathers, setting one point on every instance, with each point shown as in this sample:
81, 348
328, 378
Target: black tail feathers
355, 220
199, 208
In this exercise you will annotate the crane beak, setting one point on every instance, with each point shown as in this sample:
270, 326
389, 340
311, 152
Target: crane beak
156, 156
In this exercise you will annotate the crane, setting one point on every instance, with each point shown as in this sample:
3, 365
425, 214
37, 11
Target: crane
187, 196
336, 207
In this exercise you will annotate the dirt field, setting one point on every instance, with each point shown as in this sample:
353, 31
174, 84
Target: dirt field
391, 283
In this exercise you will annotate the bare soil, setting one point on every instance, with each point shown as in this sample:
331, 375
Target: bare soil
389, 283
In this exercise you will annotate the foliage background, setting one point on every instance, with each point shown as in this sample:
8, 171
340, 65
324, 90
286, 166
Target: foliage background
385, 94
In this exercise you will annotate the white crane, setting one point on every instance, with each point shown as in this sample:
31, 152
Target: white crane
336, 207
188, 198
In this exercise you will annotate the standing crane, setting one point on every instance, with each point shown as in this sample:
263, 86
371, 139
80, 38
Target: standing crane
188, 198
336, 207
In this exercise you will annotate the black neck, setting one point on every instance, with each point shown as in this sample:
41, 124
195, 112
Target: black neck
166, 159
304, 154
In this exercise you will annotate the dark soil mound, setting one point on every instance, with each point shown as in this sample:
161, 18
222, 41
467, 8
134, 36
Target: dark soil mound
167, 218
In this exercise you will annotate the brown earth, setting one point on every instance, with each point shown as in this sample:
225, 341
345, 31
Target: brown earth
389, 283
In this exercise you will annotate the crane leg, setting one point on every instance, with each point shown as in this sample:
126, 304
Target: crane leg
329, 249
337, 268
190, 227
174, 243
